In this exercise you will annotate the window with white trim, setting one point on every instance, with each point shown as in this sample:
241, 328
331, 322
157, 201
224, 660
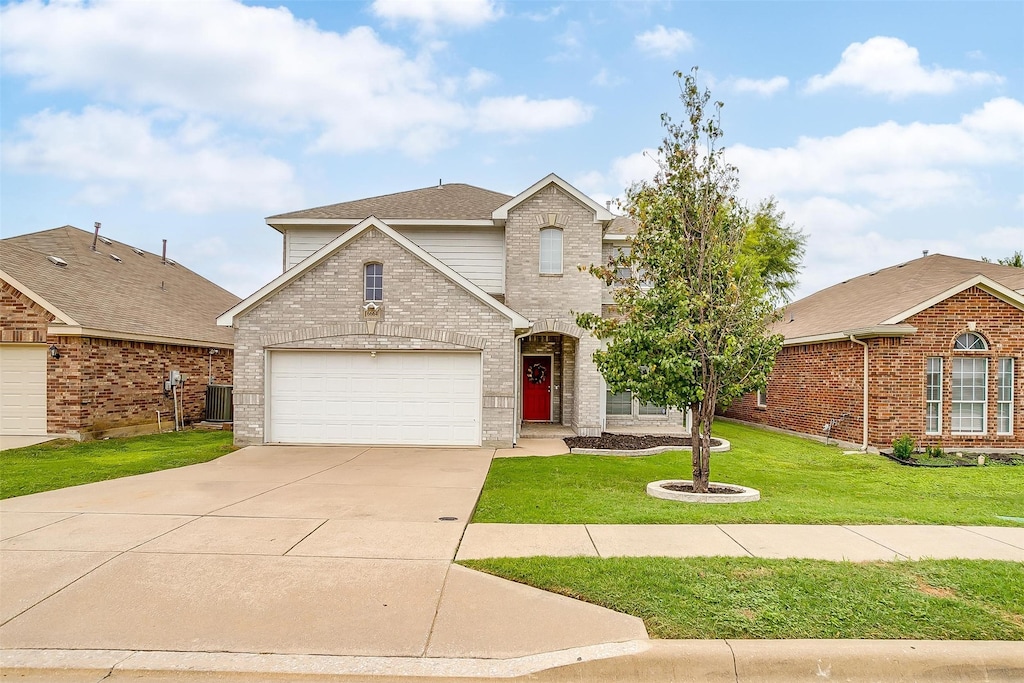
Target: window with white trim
970, 392
933, 397
624, 271
619, 404
1004, 398
373, 282
970, 341
762, 397
652, 409
551, 251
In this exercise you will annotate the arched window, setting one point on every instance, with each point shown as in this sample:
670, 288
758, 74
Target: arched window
373, 282
970, 341
551, 251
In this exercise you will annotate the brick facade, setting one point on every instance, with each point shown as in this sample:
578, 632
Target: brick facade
103, 384
813, 383
422, 310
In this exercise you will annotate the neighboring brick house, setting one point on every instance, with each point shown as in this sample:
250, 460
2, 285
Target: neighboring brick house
444, 315
88, 338
940, 341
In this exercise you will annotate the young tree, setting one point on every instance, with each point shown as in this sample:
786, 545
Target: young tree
1016, 259
699, 287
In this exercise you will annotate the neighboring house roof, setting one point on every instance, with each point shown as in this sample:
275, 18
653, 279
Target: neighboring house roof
621, 225
454, 201
885, 298
137, 297
325, 252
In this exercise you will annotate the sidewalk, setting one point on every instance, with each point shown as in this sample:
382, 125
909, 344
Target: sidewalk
857, 543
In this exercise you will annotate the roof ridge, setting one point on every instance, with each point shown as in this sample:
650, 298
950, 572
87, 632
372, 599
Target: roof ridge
387, 195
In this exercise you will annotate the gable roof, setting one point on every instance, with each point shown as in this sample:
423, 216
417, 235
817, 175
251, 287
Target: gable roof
891, 295
454, 201
601, 212
325, 252
137, 297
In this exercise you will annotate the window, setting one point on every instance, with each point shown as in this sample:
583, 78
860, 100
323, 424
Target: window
373, 282
651, 409
625, 272
619, 404
1004, 398
551, 251
762, 398
933, 397
970, 341
970, 385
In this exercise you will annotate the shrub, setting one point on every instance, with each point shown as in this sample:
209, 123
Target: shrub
935, 452
903, 447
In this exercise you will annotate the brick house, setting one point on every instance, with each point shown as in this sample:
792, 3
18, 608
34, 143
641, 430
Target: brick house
88, 337
939, 341
444, 315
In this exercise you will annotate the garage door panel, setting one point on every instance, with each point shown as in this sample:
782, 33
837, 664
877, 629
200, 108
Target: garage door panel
22, 390
429, 398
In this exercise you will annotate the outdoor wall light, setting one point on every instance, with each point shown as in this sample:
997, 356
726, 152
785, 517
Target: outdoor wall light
54, 352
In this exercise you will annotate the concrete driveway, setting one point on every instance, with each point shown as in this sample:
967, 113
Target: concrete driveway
286, 550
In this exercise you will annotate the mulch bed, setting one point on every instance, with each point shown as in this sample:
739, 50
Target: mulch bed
968, 460
629, 442
688, 488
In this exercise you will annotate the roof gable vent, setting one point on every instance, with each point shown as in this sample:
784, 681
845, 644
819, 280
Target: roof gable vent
57, 261
116, 257
106, 240
138, 251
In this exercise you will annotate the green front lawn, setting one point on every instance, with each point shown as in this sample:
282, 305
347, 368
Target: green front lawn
721, 597
57, 464
801, 482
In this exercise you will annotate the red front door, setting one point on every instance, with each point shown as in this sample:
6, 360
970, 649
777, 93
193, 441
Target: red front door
537, 388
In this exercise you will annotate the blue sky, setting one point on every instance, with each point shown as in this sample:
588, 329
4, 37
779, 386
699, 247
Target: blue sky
882, 128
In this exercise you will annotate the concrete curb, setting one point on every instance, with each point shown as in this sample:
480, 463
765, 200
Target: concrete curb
714, 661
720, 448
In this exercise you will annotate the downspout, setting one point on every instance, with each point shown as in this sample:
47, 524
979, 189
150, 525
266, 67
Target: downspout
864, 418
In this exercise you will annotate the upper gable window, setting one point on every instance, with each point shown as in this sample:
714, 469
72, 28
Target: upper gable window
970, 341
551, 251
373, 282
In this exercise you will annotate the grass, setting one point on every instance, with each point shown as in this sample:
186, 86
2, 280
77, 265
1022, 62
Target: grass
58, 464
801, 482
722, 597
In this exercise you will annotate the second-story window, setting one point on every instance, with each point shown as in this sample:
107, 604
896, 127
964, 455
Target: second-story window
373, 282
551, 251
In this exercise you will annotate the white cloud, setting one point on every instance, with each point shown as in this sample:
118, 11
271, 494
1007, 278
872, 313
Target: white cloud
545, 15
888, 66
763, 87
898, 165
999, 239
664, 42
113, 153
478, 78
431, 14
344, 93
607, 79
522, 114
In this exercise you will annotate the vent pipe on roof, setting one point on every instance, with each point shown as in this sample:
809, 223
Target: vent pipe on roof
924, 253
439, 183
96, 235
163, 258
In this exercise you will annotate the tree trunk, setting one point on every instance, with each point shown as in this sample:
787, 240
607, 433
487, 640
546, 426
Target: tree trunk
700, 440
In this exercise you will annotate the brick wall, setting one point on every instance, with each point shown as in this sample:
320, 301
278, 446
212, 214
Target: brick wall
812, 383
101, 384
24, 321
325, 304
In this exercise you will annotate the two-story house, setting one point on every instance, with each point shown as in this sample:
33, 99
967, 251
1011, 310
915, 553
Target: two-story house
438, 316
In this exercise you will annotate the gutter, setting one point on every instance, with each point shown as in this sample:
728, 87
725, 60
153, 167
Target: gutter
864, 418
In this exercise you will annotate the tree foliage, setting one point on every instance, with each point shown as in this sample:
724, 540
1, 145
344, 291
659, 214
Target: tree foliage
1016, 259
698, 288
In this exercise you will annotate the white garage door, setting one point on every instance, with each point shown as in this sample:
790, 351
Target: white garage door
424, 398
22, 390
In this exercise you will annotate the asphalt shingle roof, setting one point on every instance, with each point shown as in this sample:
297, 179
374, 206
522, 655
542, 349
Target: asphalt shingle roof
454, 201
870, 299
138, 295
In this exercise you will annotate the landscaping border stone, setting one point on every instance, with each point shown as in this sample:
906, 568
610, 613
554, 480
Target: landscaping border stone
720, 448
656, 489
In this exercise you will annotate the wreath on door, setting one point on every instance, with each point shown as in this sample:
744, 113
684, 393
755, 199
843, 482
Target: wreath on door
537, 373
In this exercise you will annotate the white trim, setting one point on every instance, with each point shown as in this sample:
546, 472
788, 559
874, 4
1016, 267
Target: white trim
860, 333
79, 331
982, 282
227, 318
815, 339
953, 401
46, 305
999, 377
617, 238
938, 402
601, 213
761, 398
276, 223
